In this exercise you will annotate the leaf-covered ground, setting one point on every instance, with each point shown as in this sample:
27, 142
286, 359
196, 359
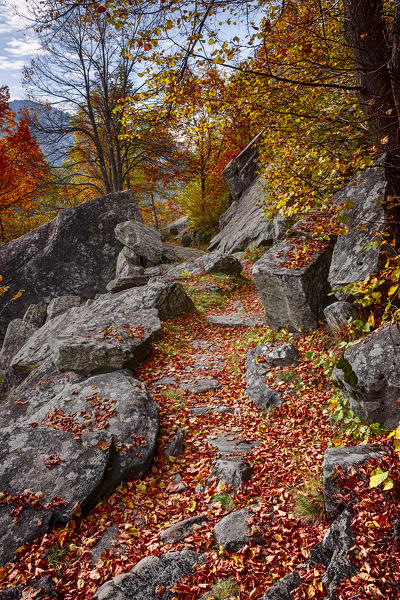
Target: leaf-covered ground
288, 461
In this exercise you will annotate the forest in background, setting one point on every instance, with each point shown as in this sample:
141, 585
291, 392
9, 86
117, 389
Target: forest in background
161, 96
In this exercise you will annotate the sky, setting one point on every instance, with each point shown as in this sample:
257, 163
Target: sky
16, 46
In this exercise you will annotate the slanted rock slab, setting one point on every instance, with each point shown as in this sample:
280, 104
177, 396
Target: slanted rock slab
293, 297
368, 376
168, 297
64, 444
149, 575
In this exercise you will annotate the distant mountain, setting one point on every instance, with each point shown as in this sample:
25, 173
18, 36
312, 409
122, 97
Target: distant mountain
54, 145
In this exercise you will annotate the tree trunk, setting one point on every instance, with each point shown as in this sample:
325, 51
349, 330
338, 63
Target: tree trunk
154, 211
366, 34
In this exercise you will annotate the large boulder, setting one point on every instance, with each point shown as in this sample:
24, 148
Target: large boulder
106, 345
368, 376
99, 320
73, 254
294, 292
240, 173
359, 253
244, 223
151, 577
142, 241
65, 443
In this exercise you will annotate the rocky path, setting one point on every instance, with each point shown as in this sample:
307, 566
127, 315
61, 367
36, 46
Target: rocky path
208, 426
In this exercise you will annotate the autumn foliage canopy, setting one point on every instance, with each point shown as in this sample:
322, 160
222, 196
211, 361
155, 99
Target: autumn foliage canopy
23, 170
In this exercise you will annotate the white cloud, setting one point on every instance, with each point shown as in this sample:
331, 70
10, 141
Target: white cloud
23, 47
13, 15
9, 64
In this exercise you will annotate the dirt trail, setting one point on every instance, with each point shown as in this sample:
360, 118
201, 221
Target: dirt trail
291, 443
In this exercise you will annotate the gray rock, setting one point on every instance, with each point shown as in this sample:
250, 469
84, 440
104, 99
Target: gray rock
258, 361
150, 575
210, 263
35, 314
73, 254
240, 173
232, 470
368, 376
337, 315
283, 588
106, 542
228, 443
18, 332
61, 304
181, 530
233, 531
169, 298
125, 283
353, 257
144, 241
176, 445
164, 382
338, 540
176, 227
237, 320
179, 253
69, 441
106, 345
201, 385
344, 457
295, 298
39, 589
128, 264
176, 485
244, 224
332, 553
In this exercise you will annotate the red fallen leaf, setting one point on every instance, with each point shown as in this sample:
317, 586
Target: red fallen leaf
52, 460
160, 589
103, 445
33, 425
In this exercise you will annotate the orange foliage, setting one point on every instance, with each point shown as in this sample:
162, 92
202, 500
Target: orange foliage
23, 170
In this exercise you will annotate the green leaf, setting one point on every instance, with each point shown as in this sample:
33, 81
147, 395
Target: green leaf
309, 355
